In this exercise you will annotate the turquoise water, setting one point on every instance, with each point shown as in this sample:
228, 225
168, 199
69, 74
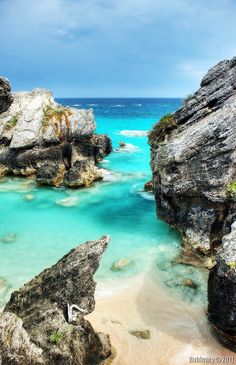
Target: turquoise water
41, 230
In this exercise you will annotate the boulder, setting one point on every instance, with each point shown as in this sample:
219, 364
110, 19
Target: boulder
43, 323
41, 138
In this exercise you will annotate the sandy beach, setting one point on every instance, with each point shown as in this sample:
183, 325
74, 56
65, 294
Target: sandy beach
178, 329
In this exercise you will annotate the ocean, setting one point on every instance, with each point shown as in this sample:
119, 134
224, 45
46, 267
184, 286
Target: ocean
40, 230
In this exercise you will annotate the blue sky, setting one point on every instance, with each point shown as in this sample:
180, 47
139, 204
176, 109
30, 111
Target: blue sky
96, 48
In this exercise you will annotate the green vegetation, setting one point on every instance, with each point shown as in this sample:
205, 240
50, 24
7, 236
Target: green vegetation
11, 123
56, 118
56, 337
232, 265
231, 189
162, 128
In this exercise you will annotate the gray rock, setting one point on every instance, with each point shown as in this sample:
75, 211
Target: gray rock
45, 330
5, 94
41, 138
222, 291
194, 161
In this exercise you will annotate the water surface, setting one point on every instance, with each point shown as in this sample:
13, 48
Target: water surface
40, 228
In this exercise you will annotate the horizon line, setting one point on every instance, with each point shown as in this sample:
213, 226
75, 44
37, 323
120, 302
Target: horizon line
119, 97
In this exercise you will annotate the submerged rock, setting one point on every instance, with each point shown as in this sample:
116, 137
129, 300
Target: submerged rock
56, 144
121, 264
28, 197
70, 201
141, 334
194, 162
46, 316
5, 94
9, 238
189, 283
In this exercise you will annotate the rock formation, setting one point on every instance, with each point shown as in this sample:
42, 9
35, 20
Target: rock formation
222, 291
56, 144
44, 324
5, 94
193, 159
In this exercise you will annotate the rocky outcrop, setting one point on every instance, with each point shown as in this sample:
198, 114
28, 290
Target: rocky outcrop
55, 144
193, 159
222, 291
43, 323
193, 155
5, 94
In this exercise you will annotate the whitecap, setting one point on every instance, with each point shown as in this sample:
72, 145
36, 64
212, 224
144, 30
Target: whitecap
137, 104
68, 202
92, 104
117, 105
76, 104
146, 195
109, 175
134, 133
130, 148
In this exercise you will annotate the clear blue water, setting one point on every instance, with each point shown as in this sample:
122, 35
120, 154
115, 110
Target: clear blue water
42, 230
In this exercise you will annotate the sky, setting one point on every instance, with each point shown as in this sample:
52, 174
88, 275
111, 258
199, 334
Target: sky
114, 48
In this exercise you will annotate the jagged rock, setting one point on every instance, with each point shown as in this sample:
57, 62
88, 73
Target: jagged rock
41, 138
5, 94
83, 173
193, 161
148, 186
222, 291
40, 316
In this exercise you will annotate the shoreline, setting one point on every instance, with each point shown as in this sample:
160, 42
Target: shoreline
178, 329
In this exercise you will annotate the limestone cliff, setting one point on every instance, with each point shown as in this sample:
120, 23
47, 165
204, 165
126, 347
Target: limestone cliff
44, 324
56, 144
193, 159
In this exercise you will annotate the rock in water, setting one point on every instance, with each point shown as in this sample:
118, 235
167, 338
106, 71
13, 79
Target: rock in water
43, 323
57, 144
121, 265
5, 94
194, 162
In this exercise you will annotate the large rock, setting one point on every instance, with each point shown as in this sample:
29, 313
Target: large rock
193, 159
43, 323
222, 291
41, 138
5, 94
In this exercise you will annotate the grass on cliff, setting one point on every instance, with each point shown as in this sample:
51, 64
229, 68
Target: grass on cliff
55, 117
11, 123
162, 128
231, 189
56, 337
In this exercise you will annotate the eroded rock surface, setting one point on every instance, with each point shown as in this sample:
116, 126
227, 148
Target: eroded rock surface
56, 144
5, 94
222, 291
38, 327
193, 159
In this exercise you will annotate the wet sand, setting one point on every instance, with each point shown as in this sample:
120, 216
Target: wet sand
178, 329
